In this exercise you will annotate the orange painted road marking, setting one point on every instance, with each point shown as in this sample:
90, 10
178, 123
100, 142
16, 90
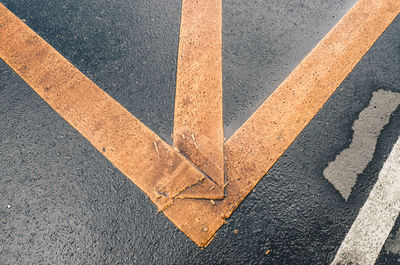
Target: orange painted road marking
259, 143
198, 126
251, 151
135, 150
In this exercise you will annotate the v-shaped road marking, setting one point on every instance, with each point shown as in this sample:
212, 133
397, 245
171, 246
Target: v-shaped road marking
165, 175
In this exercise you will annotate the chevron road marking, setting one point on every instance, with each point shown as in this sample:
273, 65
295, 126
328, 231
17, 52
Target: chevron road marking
134, 149
260, 142
152, 164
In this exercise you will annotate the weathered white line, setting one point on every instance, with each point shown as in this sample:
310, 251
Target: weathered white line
344, 170
373, 224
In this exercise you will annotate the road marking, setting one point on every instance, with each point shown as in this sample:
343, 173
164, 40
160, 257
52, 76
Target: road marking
259, 143
198, 127
343, 171
376, 219
111, 129
250, 152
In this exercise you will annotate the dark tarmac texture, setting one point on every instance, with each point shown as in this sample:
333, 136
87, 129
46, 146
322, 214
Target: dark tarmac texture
62, 202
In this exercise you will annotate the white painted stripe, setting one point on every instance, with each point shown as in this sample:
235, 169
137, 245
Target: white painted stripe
376, 219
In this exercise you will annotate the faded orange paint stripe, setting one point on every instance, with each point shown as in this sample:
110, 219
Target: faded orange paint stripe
198, 127
259, 143
134, 149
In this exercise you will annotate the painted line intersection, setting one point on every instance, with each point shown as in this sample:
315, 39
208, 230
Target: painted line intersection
249, 154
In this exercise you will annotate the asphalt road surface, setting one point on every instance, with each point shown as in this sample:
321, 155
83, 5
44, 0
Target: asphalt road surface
63, 202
